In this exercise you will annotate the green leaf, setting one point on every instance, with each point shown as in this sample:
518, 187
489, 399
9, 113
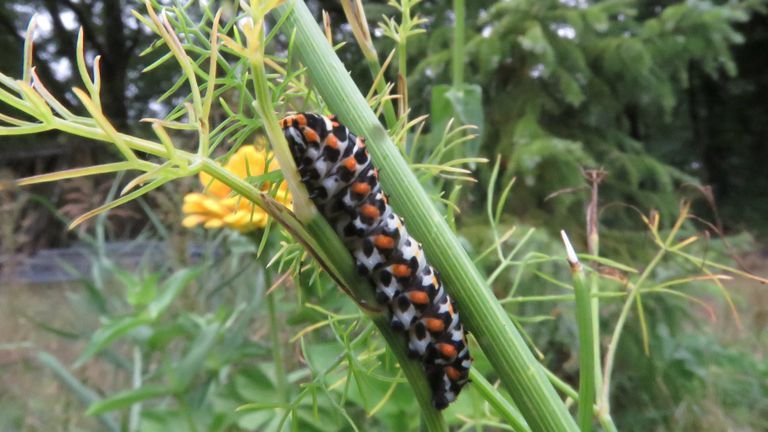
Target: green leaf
253, 384
105, 335
441, 109
127, 398
465, 104
139, 291
171, 288
194, 360
163, 420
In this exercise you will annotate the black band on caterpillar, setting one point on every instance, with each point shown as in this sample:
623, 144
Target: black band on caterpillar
337, 171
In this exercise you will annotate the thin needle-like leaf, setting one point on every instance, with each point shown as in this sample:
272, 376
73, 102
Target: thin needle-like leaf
105, 125
77, 172
83, 70
29, 44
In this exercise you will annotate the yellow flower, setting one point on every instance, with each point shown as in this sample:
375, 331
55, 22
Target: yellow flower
217, 207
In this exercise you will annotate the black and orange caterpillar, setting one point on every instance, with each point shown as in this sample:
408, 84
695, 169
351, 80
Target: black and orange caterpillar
342, 182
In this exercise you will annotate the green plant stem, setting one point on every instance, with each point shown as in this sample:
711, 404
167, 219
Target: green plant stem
593, 248
281, 381
484, 316
594, 288
402, 45
303, 206
556, 298
433, 420
610, 355
587, 353
134, 416
560, 384
606, 421
505, 409
604, 400
459, 11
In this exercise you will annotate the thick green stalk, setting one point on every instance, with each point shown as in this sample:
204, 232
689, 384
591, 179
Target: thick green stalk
594, 288
593, 248
484, 316
586, 346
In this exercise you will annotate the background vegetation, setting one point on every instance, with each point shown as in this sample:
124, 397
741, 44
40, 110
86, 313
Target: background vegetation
661, 100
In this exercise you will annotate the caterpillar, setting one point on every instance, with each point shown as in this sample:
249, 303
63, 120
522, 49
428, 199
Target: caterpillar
336, 168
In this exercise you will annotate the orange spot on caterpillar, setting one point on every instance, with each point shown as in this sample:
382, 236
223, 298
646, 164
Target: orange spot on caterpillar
418, 297
370, 211
434, 325
311, 135
332, 141
301, 119
349, 163
384, 241
452, 373
361, 188
447, 350
401, 270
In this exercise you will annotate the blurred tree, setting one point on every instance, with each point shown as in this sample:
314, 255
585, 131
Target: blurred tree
110, 31
636, 87
730, 126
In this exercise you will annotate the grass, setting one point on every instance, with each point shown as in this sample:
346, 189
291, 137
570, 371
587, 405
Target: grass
31, 396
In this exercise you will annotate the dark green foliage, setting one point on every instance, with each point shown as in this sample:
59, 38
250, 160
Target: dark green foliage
590, 84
